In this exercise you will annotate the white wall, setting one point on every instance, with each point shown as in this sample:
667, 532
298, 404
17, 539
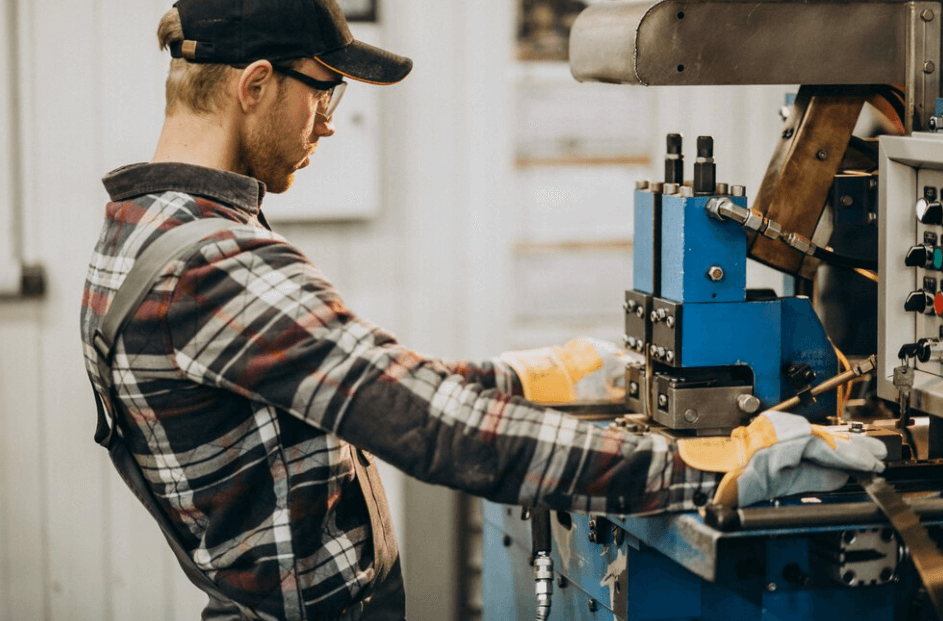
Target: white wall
434, 267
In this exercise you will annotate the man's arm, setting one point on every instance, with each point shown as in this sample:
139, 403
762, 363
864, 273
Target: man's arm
262, 322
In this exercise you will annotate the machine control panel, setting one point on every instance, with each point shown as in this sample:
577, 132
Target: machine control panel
910, 265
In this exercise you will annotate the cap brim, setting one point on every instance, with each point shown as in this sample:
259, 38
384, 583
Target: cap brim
366, 63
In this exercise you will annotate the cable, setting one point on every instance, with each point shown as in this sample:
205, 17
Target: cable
867, 274
840, 260
894, 97
843, 391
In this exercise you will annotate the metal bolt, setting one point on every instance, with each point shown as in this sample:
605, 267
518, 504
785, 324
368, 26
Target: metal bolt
633, 389
660, 352
671, 188
686, 191
663, 400
788, 133
871, 218
847, 200
771, 587
822, 155
715, 273
592, 605
640, 311
653, 316
929, 67
933, 123
630, 306
722, 188
670, 321
748, 404
926, 15
691, 415
738, 190
631, 341
856, 427
641, 185
639, 346
669, 356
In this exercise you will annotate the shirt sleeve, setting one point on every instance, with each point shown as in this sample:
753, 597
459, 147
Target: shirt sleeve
254, 317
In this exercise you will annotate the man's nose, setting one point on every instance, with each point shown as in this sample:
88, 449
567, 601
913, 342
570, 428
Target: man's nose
323, 126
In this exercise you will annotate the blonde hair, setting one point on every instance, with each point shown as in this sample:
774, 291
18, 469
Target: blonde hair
198, 86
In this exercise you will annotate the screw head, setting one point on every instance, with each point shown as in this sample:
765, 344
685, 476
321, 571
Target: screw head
691, 415
670, 321
929, 67
663, 400
822, 155
669, 356
926, 15
715, 273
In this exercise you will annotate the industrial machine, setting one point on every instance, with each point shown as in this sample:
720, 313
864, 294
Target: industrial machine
862, 220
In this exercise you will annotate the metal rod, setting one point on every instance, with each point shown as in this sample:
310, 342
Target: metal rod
858, 370
825, 514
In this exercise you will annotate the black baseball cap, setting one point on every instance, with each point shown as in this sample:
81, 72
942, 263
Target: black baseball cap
236, 32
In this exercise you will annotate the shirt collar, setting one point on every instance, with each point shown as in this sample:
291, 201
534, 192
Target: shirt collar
227, 187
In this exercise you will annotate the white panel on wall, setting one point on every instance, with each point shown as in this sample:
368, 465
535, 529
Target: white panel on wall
560, 117
343, 181
10, 228
577, 202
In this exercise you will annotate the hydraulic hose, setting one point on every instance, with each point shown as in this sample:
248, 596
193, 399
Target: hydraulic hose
543, 564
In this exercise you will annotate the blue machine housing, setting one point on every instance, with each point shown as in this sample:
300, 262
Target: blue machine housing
692, 243
698, 263
676, 568
646, 251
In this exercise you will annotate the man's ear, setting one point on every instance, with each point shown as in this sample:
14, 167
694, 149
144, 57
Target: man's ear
256, 82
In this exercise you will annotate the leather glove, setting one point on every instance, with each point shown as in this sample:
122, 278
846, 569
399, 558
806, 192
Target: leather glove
779, 454
584, 369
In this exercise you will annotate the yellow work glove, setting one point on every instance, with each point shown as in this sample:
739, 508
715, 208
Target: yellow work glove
584, 369
780, 454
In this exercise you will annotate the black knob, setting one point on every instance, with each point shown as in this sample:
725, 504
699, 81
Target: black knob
929, 212
919, 256
919, 302
674, 160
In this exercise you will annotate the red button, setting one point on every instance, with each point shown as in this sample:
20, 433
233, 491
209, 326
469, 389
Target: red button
938, 303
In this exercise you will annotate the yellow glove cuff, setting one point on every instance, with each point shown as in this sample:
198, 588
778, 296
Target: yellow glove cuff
550, 374
729, 455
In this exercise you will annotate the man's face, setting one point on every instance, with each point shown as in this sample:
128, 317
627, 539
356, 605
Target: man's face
287, 133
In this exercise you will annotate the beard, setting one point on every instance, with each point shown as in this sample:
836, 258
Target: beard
270, 154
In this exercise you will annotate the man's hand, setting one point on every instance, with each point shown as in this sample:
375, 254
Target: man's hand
585, 369
780, 454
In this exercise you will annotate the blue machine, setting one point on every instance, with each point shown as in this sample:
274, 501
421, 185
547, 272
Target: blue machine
718, 354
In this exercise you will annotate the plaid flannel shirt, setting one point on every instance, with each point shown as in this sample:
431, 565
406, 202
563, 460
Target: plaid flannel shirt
243, 381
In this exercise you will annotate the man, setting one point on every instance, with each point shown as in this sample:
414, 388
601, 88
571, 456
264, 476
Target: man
253, 399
